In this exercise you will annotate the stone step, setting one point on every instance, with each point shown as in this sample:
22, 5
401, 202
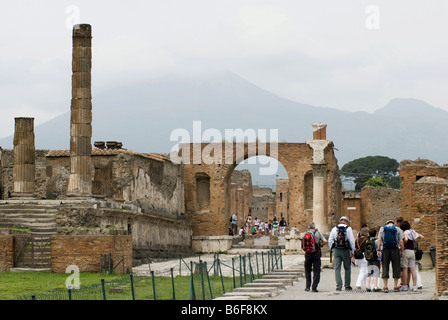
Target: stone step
286, 282
279, 285
233, 298
256, 289
281, 276
250, 294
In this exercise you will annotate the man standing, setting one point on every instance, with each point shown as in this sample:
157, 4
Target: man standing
282, 226
342, 242
390, 239
234, 224
311, 243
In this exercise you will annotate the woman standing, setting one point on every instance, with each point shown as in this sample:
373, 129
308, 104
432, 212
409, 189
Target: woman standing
361, 262
408, 260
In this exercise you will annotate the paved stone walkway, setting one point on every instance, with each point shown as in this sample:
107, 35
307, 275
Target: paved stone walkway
295, 290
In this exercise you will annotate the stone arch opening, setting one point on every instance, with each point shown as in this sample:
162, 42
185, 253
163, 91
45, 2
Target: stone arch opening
250, 192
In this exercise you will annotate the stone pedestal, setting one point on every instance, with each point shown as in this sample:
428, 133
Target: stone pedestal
80, 179
24, 159
293, 244
211, 244
249, 241
273, 240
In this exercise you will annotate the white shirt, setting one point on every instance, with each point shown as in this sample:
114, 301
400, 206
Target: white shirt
350, 237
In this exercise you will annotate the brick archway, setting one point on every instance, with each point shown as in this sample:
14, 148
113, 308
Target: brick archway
297, 158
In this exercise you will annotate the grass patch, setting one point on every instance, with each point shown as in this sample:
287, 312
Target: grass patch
117, 287
13, 284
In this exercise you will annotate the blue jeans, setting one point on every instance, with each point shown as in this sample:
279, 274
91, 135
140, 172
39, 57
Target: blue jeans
342, 256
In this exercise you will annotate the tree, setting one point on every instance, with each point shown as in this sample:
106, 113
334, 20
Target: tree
376, 182
363, 169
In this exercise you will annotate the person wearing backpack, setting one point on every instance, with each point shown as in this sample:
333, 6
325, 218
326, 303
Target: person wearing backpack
342, 243
373, 264
360, 260
311, 243
390, 237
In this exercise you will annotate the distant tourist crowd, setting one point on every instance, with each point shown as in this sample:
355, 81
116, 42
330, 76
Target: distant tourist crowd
257, 227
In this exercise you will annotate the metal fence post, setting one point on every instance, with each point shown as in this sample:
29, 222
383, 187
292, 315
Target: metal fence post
131, 276
172, 284
222, 281
192, 293
241, 272
201, 271
233, 272
153, 285
208, 279
103, 289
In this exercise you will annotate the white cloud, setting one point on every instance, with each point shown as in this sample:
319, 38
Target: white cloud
315, 52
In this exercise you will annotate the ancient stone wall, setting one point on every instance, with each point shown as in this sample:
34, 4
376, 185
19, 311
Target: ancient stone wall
441, 242
379, 205
152, 235
84, 252
282, 197
351, 208
261, 202
149, 181
7, 168
6, 252
423, 183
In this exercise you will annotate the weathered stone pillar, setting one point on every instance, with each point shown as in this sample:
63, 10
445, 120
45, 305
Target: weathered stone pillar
80, 180
24, 158
319, 165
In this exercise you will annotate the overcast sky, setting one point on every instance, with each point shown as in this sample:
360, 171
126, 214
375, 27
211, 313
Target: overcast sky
353, 55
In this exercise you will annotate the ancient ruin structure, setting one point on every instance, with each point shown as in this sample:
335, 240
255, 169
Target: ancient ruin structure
25, 158
282, 198
81, 114
109, 200
210, 223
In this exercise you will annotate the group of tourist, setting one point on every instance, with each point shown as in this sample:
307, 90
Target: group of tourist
257, 227
394, 244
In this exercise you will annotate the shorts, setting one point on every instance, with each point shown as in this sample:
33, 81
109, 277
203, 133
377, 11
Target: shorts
408, 260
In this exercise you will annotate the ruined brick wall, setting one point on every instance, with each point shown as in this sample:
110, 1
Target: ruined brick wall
6, 252
422, 216
441, 242
412, 171
379, 205
423, 183
152, 235
240, 195
282, 198
85, 251
351, 208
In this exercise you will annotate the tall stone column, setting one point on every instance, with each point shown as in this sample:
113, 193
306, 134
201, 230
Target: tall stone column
80, 180
319, 165
24, 158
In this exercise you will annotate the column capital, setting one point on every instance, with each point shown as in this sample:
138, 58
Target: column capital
319, 169
318, 147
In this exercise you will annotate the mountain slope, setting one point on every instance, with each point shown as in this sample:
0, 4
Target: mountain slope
143, 116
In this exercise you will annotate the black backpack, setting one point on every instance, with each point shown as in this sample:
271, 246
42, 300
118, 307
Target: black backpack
341, 238
370, 250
